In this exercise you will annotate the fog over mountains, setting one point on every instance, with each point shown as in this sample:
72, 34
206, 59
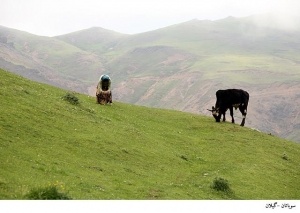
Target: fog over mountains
178, 67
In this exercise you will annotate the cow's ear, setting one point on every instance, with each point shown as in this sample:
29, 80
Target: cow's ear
209, 110
213, 107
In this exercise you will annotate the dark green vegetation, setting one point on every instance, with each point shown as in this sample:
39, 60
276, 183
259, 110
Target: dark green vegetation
46, 193
50, 147
178, 67
221, 184
71, 98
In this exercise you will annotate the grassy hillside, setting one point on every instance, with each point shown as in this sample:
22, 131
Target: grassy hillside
183, 65
177, 67
122, 151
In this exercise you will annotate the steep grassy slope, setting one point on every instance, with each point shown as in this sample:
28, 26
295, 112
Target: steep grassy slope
129, 152
178, 67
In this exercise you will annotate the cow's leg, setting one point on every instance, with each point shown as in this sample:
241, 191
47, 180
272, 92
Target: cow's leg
224, 119
231, 114
244, 113
223, 112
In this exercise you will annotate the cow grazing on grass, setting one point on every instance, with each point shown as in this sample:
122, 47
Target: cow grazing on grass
103, 92
227, 99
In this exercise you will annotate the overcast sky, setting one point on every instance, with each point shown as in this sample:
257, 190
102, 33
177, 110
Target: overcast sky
57, 17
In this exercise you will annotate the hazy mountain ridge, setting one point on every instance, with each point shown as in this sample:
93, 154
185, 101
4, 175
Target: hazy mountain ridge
56, 61
182, 66
95, 39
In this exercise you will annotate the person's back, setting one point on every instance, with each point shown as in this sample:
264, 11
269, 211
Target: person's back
103, 93
105, 84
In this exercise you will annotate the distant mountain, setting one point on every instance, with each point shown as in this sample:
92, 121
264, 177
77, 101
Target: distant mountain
183, 65
48, 59
94, 39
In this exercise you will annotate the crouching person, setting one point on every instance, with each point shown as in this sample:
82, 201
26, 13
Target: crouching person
103, 92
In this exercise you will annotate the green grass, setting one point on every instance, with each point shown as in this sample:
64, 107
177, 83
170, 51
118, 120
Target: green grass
89, 151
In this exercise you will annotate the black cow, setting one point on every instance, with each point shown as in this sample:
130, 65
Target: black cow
227, 99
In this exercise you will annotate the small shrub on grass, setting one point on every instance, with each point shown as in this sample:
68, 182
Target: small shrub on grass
71, 98
184, 158
284, 157
221, 184
46, 193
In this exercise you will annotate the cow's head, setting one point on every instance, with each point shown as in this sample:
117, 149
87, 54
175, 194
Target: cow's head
216, 113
